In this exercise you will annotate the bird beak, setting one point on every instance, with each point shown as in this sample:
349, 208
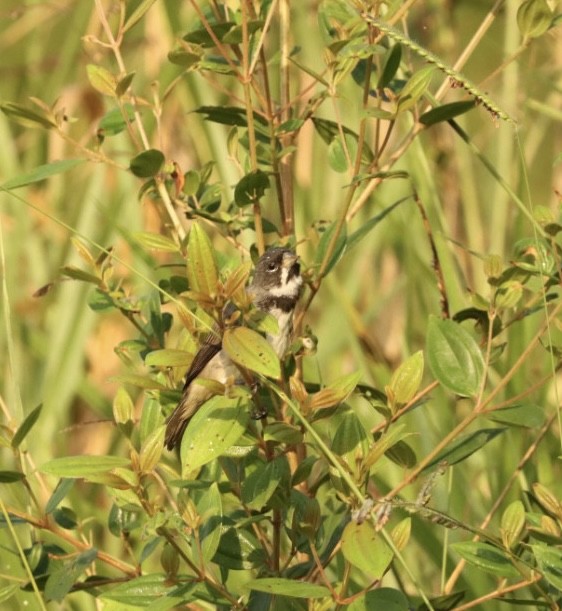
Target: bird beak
289, 260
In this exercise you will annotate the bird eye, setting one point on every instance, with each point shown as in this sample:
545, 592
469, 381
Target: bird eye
272, 267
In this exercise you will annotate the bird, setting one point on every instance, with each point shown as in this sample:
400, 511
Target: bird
275, 289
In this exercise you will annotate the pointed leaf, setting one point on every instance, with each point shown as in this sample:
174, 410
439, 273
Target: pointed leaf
454, 357
512, 523
391, 66
549, 560
382, 598
169, 357
363, 547
336, 392
26, 426
338, 250
251, 351
445, 112
26, 116
155, 241
407, 378
82, 466
40, 173
201, 267
251, 188
287, 587
216, 426
260, 484
210, 511
101, 79
415, 88
464, 446
60, 582
486, 557
62, 489
137, 14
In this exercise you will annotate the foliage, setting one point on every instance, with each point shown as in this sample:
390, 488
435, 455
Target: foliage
412, 460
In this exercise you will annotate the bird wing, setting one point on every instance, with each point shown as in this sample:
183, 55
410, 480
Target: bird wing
212, 344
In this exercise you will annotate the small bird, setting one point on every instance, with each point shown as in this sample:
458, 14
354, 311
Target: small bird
275, 289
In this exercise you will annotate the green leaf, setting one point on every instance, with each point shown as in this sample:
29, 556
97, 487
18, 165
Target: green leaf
287, 587
139, 381
60, 492
528, 415
367, 227
79, 274
415, 88
183, 58
454, 357
406, 380
251, 188
486, 557
251, 351
124, 84
216, 426
137, 14
282, 432
65, 518
210, 512
336, 156
238, 549
11, 477
201, 266
364, 548
381, 598
101, 80
8, 591
26, 426
464, 446
27, 117
40, 173
549, 560
534, 17
151, 449
155, 241
263, 481
82, 466
142, 591
60, 582
391, 65
147, 164
114, 122
512, 523
201, 36
338, 251
336, 392
445, 112
384, 442
235, 35
169, 357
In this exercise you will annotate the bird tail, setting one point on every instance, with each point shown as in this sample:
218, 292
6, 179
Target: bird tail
175, 428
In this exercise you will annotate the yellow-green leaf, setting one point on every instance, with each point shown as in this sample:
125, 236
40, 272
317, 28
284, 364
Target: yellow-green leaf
201, 267
365, 548
169, 357
216, 427
252, 351
407, 378
336, 392
151, 450
513, 521
155, 241
101, 79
